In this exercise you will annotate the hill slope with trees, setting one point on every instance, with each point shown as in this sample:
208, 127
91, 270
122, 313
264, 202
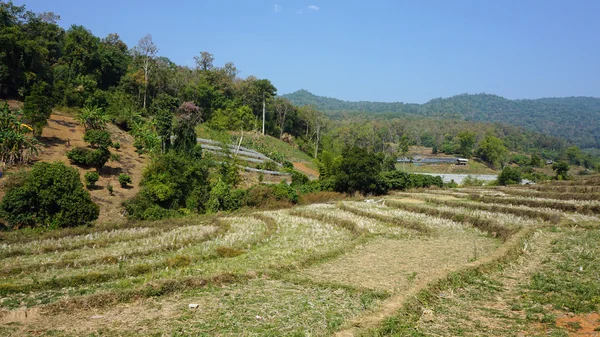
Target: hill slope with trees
574, 118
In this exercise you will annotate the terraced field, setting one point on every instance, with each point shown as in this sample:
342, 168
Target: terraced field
474, 261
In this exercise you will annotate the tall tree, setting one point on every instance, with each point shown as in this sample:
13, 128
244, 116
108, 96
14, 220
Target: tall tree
145, 52
283, 107
204, 62
466, 140
266, 90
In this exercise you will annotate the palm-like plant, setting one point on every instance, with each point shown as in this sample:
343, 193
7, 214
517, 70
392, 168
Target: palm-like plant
16, 146
93, 118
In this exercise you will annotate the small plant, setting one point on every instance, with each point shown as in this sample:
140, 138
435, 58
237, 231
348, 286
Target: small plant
116, 145
91, 178
110, 189
124, 179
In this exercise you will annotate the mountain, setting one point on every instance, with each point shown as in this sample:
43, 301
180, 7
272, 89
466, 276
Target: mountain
574, 118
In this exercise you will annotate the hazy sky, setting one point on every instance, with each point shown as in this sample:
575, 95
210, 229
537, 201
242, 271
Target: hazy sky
377, 50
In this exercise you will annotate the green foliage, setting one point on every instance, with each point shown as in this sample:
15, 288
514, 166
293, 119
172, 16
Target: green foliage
574, 155
232, 119
561, 168
51, 195
110, 188
116, 145
536, 161
98, 138
95, 158
38, 107
93, 118
492, 151
509, 176
398, 180
91, 178
124, 179
169, 183
15, 145
359, 171
466, 141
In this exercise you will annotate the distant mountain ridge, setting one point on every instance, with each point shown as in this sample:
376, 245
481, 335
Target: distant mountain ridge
574, 118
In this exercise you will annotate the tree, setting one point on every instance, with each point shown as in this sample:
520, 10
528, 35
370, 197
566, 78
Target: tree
403, 147
574, 155
184, 131
50, 195
360, 171
266, 89
145, 52
38, 107
536, 161
492, 150
466, 140
509, 176
282, 107
114, 60
562, 170
204, 62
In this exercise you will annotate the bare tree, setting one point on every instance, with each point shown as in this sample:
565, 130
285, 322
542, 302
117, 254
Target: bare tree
145, 51
282, 107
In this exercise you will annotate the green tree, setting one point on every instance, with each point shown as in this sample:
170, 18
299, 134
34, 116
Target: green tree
492, 150
509, 176
561, 168
360, 171
50, 195
466, 141
536, 161
38, 107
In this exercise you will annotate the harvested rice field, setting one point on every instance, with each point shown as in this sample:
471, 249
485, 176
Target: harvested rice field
510, 261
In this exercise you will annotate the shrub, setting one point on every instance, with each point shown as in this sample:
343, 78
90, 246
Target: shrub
116, 145
97, 138
171, 182
509, 176
89, 158
110, 189
51, 195
91, 178
124, 179
398, 180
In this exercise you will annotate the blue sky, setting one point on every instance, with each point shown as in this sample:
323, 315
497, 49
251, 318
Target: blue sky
377, 50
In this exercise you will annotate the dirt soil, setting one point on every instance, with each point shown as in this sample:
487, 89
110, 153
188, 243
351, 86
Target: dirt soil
588, 325
63, 133
312, 174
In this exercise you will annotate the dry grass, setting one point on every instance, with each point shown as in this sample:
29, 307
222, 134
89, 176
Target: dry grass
398, 265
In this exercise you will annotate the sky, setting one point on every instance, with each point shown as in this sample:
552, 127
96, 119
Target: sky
377, 50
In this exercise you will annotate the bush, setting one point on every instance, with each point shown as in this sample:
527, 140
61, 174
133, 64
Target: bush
51, 195
124, 179
398, 180
97, 138
509, 176
110, 189
116, 145
171, 182
82, 156
91, 178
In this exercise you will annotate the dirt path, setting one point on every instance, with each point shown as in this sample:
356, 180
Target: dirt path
312, 174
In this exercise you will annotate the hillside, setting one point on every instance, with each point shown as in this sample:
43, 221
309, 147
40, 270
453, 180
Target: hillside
574, 118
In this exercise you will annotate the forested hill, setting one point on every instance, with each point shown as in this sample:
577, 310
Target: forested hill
575, 118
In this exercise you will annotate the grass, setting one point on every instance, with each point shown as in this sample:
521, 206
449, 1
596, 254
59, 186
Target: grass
426, 262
